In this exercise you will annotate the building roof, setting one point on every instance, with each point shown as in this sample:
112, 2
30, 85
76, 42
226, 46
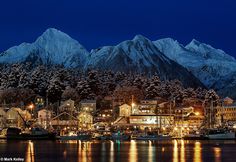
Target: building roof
88, 101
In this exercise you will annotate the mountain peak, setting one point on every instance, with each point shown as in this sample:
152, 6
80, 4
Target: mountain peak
194, 42
52, 34
139, 37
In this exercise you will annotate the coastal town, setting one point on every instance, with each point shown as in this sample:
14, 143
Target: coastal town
144, 119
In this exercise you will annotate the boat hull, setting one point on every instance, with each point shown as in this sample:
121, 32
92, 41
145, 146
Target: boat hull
153, 138
79, 137
222, 136
32, 137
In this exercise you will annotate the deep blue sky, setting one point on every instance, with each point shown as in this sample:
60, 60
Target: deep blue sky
96, 23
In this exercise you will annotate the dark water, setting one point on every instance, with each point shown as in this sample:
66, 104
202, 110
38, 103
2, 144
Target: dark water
116, 151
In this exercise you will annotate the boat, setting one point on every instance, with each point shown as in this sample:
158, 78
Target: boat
153, 137
32, 134
78, 136
195, 135
104, 137
220, 134
120, 136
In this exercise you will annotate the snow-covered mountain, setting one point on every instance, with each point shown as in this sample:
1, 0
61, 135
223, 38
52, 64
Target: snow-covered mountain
52, 47
205, 62
211, 66
139, 55
166, 57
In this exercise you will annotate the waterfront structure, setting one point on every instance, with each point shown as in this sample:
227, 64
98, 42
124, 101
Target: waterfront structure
16, 117
2, 118
143, 115
226, 114
64, 122
68, 106
85, 120
146, 107
87, 106
125, 110
44, 116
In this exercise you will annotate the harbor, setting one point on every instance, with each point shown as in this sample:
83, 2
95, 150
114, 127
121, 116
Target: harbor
152, 120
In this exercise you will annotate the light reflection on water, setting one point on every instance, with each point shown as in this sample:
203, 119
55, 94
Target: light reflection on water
197, 156
175, 151
29, 157
122, 151
133, 151
217, 153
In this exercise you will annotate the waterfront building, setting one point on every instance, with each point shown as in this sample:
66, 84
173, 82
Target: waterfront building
125, 110
85, 120
68, 106
143, 115
64, 121
146, 107
16, 117
87, 106
2, 118
44, 116
228, 101
226, 114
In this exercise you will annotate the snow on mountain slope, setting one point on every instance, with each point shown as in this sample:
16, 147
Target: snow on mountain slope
226, 86
205, 62
52, 47
139, 55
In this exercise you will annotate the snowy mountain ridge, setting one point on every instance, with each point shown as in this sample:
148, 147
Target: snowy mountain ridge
205, 62
52, 47
139, 55
166, 57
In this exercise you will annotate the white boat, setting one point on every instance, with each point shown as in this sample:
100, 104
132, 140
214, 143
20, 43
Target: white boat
220, 134
73, 136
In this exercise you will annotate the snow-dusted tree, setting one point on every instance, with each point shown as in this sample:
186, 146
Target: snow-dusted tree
124, 94
39, 80
70, 93
84, 90
55, 89
153, 88
211, 97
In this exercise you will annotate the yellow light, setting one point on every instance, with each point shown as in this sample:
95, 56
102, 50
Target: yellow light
133, 104
163, 128
175, 128
103, 115
197, 113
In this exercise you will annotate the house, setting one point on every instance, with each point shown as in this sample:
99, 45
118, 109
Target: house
125, 110
226, 114
16, 117
68, 106
85, 120
143, 115
146, 107
87, 106
44, 116
228, 101
2, 118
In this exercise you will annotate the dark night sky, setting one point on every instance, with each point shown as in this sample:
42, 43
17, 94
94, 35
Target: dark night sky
96, 23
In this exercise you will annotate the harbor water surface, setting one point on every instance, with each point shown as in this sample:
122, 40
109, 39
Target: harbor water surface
119, 151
